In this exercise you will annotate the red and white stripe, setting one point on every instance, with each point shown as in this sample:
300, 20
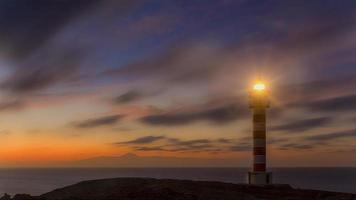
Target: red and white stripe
259, 139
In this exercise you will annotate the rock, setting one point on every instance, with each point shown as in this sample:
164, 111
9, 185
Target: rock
26, 197
167, 189
22, 197
156, 189
5, 197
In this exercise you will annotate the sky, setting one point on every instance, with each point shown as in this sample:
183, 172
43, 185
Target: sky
88, 78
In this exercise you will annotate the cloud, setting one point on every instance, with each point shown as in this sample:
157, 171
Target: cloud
11, 105
302, 125
241, 147
134, 95
312, 90
40, 40
180, 63
212, 60
218, 115
282, 39
149, 149
102, 121
224, 141
296, 146
28, 25
337, 104
143, 140
163, 143
190, 142
128, 97
332, 136
316, 30
60, 65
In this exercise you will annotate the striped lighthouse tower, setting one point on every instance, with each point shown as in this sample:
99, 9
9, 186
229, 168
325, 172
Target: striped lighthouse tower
259, 103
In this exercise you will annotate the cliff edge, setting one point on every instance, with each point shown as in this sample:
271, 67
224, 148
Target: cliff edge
167, 189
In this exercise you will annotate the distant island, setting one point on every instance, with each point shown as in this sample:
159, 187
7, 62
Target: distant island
166, 189
133, 160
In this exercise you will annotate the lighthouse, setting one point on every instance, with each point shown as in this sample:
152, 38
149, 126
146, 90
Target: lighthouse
259, 102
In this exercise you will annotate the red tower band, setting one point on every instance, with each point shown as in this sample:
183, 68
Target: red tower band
259, 140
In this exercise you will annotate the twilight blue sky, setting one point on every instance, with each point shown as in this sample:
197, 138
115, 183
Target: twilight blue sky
88, 78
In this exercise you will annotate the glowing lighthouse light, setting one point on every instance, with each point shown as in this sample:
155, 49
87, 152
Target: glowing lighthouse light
259, 87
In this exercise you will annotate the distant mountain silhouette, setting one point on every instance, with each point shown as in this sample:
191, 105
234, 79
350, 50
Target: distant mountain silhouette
133, 160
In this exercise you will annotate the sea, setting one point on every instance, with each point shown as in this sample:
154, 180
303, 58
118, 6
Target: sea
41, 180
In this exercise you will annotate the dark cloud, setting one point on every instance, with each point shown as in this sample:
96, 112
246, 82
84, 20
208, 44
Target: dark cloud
178, 149
224, 141
277, 34
332, 136
60, 65
149, 143
274, 33
171, 142
296, 146
128, 97
183, 63
241, 147
35, 38
219, 115
149, 149
191, 142
308, 91
302, 125
11, 105
143, 140
28, 24
275, 140
102, 121
337, 104
320, 27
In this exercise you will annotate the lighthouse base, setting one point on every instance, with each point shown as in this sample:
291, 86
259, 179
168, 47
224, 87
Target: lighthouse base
259, 178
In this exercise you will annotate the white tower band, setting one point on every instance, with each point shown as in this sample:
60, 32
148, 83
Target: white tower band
259, 103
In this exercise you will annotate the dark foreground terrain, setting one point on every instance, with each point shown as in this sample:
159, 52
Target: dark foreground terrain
164, 189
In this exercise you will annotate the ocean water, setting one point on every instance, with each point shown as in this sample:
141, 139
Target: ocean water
39, 181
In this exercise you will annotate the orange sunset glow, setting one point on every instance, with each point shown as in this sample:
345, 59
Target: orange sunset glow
79, 81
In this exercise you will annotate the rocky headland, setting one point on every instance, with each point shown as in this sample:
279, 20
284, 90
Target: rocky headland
168, 189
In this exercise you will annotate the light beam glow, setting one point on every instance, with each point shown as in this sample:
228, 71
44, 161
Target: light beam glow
259, 87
